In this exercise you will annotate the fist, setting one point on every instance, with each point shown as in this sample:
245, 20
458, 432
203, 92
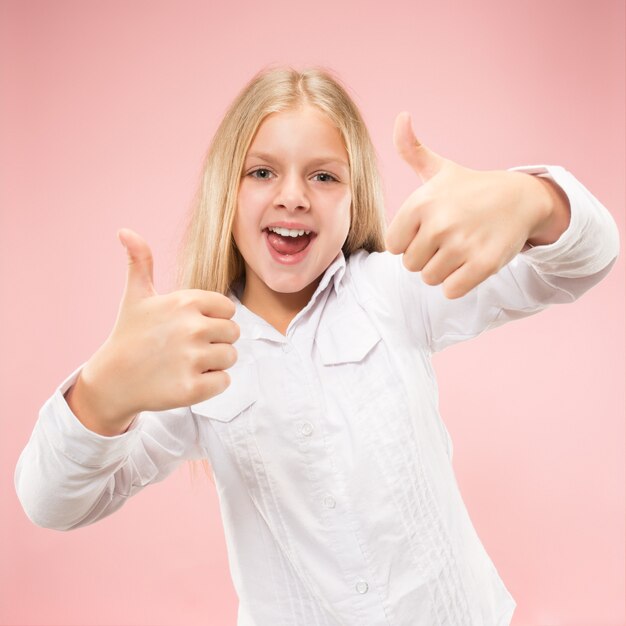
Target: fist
461, 225
165, 350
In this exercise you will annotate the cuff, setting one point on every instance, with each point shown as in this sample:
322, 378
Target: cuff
67, 434
590, 242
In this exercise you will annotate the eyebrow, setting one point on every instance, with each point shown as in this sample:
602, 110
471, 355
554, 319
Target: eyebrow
264, 156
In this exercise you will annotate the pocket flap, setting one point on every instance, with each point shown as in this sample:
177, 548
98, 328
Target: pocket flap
242, 392
347, 339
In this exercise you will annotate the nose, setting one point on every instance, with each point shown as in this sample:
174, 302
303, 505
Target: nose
292, 193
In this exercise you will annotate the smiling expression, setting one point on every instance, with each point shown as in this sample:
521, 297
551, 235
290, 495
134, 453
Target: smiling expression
296, 173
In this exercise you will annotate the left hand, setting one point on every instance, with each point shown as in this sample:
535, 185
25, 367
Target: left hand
461, 225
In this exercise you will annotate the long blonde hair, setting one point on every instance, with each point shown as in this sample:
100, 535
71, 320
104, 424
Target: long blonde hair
208, 257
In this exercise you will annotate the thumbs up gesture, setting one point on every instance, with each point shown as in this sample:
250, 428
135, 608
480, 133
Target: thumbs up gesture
165, 351
461, 225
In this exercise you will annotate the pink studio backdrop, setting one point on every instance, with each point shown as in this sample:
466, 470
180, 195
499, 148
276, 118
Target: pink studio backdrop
106, 113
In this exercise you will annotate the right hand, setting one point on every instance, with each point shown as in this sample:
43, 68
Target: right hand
165, 351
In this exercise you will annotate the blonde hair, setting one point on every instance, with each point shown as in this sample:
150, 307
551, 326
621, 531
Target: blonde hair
208, 257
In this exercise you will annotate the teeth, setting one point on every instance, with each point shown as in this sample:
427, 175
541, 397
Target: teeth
287, 232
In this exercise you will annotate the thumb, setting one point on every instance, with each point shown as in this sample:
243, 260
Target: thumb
139, 279
423, 161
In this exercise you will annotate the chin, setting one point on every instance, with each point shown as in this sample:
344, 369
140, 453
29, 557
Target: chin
287, 286
286, 283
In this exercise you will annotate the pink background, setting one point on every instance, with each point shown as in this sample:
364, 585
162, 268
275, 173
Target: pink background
107, 110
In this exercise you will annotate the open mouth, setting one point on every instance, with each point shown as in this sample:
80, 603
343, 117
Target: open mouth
287, 245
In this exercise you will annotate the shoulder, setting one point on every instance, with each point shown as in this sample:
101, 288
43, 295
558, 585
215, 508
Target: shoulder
374, 272
382, 285
364, 264
388, 292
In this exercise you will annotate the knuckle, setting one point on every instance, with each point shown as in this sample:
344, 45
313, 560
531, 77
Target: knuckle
193, 329
232, 354
214, 383
394, 246
485, 266
457, 242
236, 331
222, 302
192, 360
411, 264
185, 299
189, 387
224, 331
439, 227
225, 380
219, 381
452, 293
429, 277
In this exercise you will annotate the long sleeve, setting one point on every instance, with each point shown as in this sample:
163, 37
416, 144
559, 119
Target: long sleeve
68, 476
557, 273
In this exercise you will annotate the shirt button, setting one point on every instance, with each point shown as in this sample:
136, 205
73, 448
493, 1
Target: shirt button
307, 429
362, 586
329, 502
287, 347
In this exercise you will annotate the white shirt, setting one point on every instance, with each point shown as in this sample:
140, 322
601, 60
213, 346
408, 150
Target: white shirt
332, 464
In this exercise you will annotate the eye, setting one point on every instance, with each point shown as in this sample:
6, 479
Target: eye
262, 173
330, 177
261, 169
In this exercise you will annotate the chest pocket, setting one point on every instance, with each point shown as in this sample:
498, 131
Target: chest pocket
347, 339
356, 365
237, 398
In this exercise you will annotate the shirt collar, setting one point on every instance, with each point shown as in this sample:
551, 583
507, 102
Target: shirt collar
254, 327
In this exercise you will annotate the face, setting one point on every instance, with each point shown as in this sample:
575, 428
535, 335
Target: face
296, 175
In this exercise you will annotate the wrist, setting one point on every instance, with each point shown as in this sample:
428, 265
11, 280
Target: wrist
552, 210
94, 404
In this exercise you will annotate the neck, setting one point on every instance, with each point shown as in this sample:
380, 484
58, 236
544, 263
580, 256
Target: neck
277, 309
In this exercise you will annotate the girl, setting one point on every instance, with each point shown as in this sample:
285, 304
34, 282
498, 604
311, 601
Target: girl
332, 464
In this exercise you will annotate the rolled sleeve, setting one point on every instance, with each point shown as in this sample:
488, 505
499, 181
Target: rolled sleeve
591, 240
72, 438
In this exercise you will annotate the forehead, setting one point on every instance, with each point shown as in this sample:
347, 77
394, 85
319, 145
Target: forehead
293, 132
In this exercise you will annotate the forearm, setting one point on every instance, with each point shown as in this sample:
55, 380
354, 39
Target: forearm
58, 493
68, 475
